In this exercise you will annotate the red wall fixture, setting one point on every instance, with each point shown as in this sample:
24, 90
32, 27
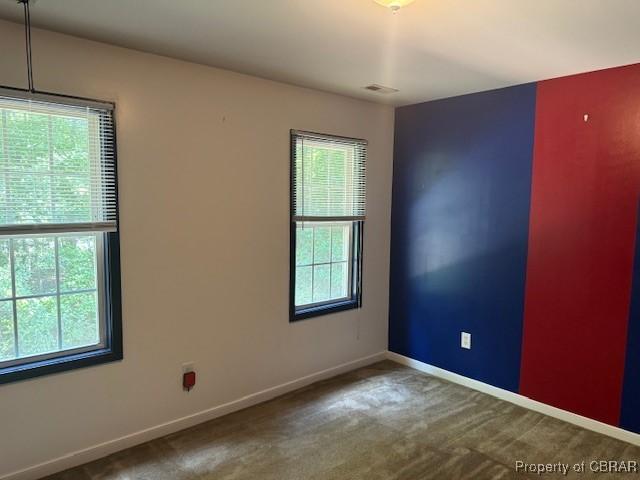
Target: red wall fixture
584, 201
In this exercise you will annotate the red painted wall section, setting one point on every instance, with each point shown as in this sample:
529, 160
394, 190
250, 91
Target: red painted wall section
586, 180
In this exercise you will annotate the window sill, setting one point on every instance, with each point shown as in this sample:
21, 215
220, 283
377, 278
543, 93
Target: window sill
317, 311
60, 364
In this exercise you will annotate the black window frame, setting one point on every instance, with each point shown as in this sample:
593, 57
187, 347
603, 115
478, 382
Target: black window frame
113, 349
355, 300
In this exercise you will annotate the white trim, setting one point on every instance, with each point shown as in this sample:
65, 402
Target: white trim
107, 448
520, 400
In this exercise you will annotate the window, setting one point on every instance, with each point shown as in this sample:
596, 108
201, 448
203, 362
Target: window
59, 247
327, 219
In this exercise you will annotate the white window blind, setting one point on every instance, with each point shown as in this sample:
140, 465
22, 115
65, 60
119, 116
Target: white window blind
57, 165
328, 178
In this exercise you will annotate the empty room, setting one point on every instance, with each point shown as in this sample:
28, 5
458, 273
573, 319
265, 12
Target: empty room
319, 239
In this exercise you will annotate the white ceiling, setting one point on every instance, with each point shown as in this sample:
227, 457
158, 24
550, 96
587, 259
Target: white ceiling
430, 49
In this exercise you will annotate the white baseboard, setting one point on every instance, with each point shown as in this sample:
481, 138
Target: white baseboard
521, 400
107, 448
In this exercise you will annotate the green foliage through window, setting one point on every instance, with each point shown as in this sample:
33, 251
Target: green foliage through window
51, 301
45, 172
322, 262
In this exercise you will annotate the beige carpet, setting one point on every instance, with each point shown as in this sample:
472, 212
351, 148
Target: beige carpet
377, 423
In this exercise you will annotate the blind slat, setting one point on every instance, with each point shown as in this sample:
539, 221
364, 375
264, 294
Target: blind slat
329, 177
327, 219
32, 229
57, 165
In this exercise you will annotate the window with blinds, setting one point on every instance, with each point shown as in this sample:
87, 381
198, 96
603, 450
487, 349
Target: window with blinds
59, 263
328, 178
328, 209
56, 167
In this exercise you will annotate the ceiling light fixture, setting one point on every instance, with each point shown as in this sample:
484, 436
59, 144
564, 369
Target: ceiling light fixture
394, 5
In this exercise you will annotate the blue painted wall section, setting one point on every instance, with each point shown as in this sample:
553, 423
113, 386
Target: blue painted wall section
460, 215
630, 414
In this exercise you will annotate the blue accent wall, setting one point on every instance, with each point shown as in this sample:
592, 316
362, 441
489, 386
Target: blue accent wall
461, 195
630, 414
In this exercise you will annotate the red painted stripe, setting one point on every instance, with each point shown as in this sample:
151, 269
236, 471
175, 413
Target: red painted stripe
586, 180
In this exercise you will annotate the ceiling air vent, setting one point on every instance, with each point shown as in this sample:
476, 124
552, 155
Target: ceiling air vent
374, 87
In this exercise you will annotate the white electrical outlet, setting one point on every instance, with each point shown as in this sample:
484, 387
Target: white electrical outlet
465, 340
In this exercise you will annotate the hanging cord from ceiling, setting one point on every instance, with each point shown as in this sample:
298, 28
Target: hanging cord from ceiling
31, 91
27, 35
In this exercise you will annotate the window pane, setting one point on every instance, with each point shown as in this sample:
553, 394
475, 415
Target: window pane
317, 187
329, 177
77, 262
304, 285
3, 157
35, 266
339, 280
5, 216
327, 245
322, 245
79, 314
7, 349
27, 137
304, 245
71, 197
37, 325
321, 283
70, 162
70, 144
5, 270
34, 187
55, 164
340, 243
41, 327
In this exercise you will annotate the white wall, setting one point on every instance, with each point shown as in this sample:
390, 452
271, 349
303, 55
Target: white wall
204, 205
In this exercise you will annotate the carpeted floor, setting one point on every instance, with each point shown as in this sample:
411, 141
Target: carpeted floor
377, 423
